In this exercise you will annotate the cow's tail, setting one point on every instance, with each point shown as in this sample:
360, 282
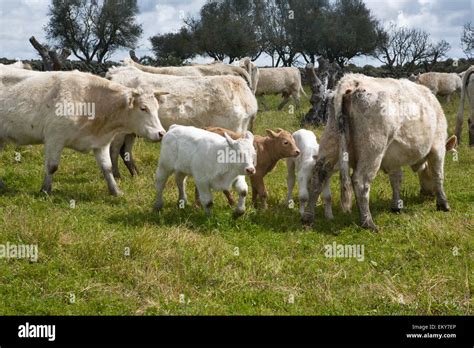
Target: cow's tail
243, 74
302, 90
460, 117
342, 106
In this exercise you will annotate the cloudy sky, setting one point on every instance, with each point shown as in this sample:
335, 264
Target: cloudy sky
20, 19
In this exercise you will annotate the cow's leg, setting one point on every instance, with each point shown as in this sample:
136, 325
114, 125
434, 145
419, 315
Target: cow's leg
327, 200
361, 181
102, 157
162, 176
286, 99
321, 173
114, 154
258, 190
296, 97
197, 201
2, 144
126, 154
205, 195
52, 156
396, 178
230, 198
303, 192
290, 179
448, 98
262, 100
242, 189
436, 165
470, 127
180, 179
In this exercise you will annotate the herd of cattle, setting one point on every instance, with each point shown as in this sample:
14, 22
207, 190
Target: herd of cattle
204, 114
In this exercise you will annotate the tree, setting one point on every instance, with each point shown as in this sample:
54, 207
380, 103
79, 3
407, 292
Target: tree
435, 53
174, 48
467, 40
93, 29
402, 49
225, 29
346, 31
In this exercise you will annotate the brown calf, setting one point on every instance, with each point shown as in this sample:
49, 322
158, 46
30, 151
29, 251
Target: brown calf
270, 149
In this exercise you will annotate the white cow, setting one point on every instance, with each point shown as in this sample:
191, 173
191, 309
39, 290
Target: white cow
75, 110
381, 123
304, 164
220, 101
444, 84
285, 81
215, 163
18, 65
467, 90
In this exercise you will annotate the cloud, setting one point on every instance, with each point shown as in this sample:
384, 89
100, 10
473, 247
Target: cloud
20, 19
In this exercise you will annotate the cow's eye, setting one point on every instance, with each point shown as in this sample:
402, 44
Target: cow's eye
285, 142
143, 108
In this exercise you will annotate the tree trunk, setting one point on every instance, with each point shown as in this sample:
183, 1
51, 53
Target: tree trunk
51, 59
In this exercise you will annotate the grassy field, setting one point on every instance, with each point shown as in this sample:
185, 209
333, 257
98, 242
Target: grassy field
112, 256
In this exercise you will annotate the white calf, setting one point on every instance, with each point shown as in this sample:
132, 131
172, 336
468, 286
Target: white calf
303, 164
214, 162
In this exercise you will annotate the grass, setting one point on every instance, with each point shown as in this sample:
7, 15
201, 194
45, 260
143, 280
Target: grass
181, 262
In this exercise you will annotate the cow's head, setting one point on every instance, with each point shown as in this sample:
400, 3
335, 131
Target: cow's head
282, 143
414, 78
143, 117
245, 151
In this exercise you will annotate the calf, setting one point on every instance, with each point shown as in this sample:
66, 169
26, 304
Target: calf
303, 164
49, 108
270, 149
380, 123
192, 151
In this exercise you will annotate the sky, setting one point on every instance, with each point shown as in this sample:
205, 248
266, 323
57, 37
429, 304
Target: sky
20, 19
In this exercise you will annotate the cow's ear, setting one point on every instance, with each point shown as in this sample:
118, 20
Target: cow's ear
271, 133
230, 141
249, 136
130, 97
159, 96
451, 143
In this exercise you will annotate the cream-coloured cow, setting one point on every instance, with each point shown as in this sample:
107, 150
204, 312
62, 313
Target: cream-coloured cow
285, 81
378, 123
467, 90
220, 101
444, 84
75, 110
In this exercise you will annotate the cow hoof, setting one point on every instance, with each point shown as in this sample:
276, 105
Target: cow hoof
45, 191
329, 216
117, 193
307, 219
117, 176
238, 213
370, 226
396, 210
157, 207
443, 207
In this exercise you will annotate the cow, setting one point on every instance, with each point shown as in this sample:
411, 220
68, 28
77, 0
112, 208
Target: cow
444, 84
78, 111
285, 81
247, 64
467, 90
224, 101
301, 167
18, 65
215, 163
213, 69
380, 123
270, 149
